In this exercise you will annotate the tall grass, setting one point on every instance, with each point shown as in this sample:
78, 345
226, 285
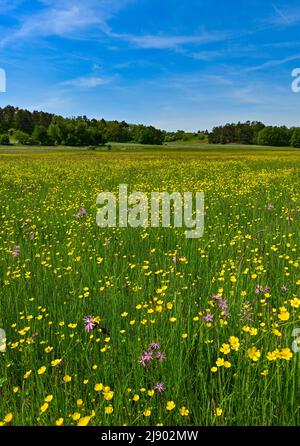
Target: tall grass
146, 286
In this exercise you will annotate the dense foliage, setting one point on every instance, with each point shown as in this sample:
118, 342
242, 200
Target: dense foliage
40, 128
25, 127
255, 133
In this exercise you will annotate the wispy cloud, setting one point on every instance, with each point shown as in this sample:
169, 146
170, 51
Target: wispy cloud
162, 41
284, 17
9, 5
274, 63
66, 18
87, 82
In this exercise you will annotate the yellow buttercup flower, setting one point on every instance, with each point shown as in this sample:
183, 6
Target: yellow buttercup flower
55, 362
225, 349
184, 411
67, 378
109, 409
44, 407
234, 343
283, 315
75, 416
254, 354
27, 374
170, 405
108, 395
8, 418
84, 421
59, 422
220, 362
285, 353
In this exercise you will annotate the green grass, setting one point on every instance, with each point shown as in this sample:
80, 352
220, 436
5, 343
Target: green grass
149, 285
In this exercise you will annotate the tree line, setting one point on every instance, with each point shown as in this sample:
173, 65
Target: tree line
255, 132
30, 128
40, 128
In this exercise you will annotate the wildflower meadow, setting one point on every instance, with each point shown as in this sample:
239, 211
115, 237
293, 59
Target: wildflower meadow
143, 326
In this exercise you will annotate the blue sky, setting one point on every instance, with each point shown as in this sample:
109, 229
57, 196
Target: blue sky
188, 64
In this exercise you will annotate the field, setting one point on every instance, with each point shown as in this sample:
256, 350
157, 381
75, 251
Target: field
182, 331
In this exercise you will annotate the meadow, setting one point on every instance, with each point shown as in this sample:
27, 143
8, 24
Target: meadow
123, 326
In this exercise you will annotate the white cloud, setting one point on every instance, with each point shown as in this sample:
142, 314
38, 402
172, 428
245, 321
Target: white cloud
66, 18
274, 63
160, 41
87, 82
284, 17
9, 5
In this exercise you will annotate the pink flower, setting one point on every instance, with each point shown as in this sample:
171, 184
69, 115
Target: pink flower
160, 356
154, 346
159, 387
89, 323
16, 251
81, 213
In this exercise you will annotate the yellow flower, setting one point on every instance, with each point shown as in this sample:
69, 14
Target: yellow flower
98, 387
218, 411
151, 392
171, 405
172, 319
265, 373
42, 370
147, 412
79, 402
295, 303
48, 349
136, 397
225, 349
8, 418
253, 331
44, 407
109, 409
220, 362
49, 398
16, 389
284, 315
214, 369
108, 395
59, 422
84, 421
75, 416
67, 378
254, 354
234, 343
285, 353
184, 411
55, 362
227, 364
27, 374
272, 356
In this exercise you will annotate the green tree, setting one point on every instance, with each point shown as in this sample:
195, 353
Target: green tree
274, 136
295, 140
4, 140
40, 135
